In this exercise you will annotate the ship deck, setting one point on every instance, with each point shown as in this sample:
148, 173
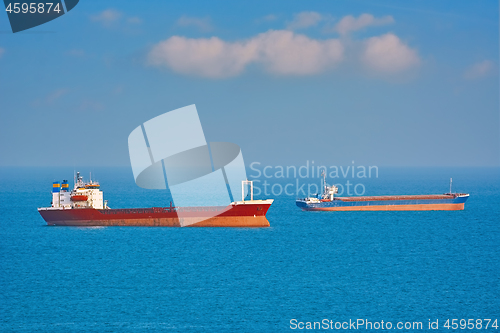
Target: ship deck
402, 197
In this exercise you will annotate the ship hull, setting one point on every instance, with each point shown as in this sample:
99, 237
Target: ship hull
389, 203
240, 215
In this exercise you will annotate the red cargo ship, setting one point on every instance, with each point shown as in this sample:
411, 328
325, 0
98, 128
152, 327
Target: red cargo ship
66, 211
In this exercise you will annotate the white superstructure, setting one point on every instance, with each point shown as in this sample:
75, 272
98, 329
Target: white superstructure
327, 195
83, 195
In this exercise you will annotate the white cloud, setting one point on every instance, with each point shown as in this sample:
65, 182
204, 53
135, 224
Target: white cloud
281, 52
269, 18
480, 69
284, 52
204, 57
107, 17
202, 24
51, 98
134, 20
304, 20
350, 23
2, 51
55, 95
112, 18
388, 54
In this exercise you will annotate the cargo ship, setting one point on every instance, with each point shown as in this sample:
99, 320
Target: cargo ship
84, 206
328, 202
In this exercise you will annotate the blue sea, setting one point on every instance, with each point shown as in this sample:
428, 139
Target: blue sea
308, 266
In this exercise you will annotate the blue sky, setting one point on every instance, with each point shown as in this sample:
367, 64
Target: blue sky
411, 83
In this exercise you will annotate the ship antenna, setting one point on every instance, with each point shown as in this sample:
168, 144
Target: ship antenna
324, 182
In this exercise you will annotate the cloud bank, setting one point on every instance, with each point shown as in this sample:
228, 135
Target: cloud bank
278, 51
285, 52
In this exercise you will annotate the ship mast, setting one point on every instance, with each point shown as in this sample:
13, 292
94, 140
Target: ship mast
451, 180
243, 183
324, 180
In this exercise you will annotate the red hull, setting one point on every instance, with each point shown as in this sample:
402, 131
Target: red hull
242, 215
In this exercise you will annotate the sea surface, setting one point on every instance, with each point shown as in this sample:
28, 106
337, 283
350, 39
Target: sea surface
308, 266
